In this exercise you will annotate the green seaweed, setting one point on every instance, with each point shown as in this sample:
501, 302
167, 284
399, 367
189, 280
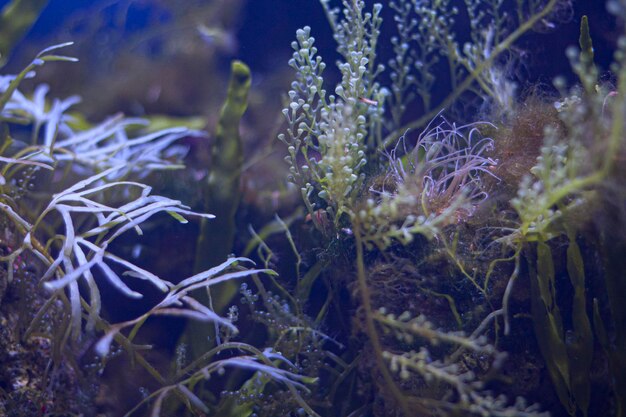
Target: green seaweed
221, 197
222, 192
399, 362
568, 353
586, 45
580, 348
548, 324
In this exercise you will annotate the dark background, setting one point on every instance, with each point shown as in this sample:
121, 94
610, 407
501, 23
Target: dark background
267, 27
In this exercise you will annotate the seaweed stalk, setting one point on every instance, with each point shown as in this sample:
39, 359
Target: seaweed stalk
221, 194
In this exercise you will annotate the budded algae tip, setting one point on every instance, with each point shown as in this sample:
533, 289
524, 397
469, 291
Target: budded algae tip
222, 194
586, 45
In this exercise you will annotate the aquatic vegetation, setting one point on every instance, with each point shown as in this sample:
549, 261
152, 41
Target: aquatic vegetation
437, 183
427, 36
319, 126
221, 194
76, 253
560, 199
436, 265
333, 136
439, 187
334, 132
101, 198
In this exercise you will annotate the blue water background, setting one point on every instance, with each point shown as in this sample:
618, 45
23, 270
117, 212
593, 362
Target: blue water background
267, 27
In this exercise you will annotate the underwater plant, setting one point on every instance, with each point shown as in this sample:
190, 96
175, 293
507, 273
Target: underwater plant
559, 199
94, 197
437, 183
455, 249
379, 210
